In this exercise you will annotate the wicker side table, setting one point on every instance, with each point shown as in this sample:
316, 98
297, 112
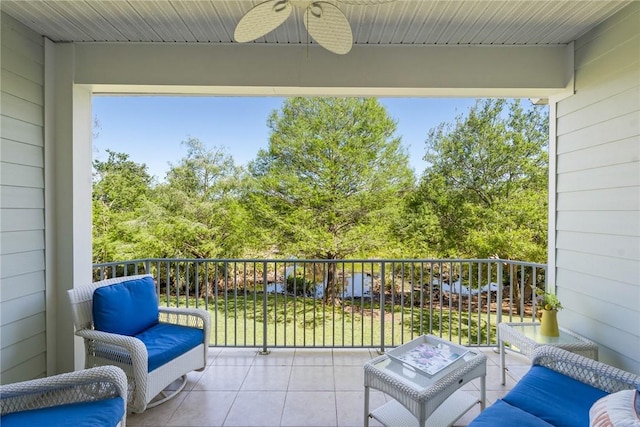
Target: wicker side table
526, 337
421, 400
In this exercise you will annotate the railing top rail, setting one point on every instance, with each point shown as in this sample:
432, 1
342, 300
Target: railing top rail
299, 260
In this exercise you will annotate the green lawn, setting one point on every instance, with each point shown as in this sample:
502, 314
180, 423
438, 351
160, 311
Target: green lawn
239, 320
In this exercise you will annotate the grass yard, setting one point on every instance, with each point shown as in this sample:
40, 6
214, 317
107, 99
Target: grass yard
239, 320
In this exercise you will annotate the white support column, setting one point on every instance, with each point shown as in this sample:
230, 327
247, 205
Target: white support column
71, 216
551, 226
553, 169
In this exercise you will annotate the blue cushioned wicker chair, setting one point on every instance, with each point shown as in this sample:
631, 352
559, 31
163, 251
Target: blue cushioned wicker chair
94, 397
122, 325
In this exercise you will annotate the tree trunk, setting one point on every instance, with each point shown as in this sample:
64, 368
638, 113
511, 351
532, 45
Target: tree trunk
331, 292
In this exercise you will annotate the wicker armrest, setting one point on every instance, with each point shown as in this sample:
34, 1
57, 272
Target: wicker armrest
585, 370
121, 349
80, 386
193, 317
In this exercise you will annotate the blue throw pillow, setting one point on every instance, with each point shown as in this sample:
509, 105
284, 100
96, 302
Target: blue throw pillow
126, 308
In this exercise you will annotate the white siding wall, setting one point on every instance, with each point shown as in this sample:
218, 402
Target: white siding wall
22, 287
598, 191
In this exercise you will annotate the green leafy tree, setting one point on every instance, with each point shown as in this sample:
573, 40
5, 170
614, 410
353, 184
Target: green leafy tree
121, 187
331, 182
487, 183
200, 212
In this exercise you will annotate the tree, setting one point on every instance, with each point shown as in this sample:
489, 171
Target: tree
331, 181
121, 187
200, 212
487, 182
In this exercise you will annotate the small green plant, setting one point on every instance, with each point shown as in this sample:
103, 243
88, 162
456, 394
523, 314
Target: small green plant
547, 301
300, 286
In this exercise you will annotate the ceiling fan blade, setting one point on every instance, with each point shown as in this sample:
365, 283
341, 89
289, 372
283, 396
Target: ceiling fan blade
329, 27
261, 20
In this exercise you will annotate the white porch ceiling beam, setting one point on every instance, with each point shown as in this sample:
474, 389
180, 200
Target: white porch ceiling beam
471, 71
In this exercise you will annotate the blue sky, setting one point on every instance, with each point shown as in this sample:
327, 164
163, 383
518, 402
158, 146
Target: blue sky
150, 129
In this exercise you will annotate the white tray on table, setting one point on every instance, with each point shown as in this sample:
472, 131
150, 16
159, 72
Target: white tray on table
427, 355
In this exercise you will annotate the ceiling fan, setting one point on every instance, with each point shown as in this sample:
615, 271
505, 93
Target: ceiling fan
324, 21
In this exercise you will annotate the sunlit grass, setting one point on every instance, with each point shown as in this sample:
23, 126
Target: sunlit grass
238, 320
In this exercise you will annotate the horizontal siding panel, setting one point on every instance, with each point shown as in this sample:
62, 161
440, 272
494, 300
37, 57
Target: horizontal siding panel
29, 48
22, 329
21, 30
606, 311
613, 23
606, 41
17, 353
21, 308
21, 197
607, 337
622, 127
607, 109
625, 175
36, 367
622, 270
595, 85
618, 199
618, 152
21, 65
21, 263
627, 247
21, 241
20, 87
22, 110
21, 153
14, 175
21, 286
625, 294
21, 219
19, 131
615, 223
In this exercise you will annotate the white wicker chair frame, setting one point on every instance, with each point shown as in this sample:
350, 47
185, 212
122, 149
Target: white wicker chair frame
585, 370
146, 389
81, 386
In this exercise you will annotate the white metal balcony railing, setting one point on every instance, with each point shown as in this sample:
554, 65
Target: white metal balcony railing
374, 303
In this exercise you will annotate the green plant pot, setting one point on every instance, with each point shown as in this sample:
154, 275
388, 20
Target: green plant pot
549, 323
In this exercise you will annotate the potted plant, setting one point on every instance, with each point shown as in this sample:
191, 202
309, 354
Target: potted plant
549, 305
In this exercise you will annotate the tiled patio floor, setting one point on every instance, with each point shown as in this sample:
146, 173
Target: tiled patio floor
294, 388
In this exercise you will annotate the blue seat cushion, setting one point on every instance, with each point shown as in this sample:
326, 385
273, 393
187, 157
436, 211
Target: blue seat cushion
126, 308
553, 397
102, 413
165, 341
503, 414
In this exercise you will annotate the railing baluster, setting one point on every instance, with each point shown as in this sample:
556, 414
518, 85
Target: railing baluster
336, 325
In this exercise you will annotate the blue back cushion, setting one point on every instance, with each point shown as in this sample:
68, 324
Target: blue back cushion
100, 413
553, 397
126, 308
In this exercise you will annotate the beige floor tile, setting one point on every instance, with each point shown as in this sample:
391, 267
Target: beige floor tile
468, 417
309, 409
220, 377
203, 408
350, 357
276, 357
256, 409
312, 357
158, 416
311, 378
235, 357
267, 378
192, 379
350, 407
348, 378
